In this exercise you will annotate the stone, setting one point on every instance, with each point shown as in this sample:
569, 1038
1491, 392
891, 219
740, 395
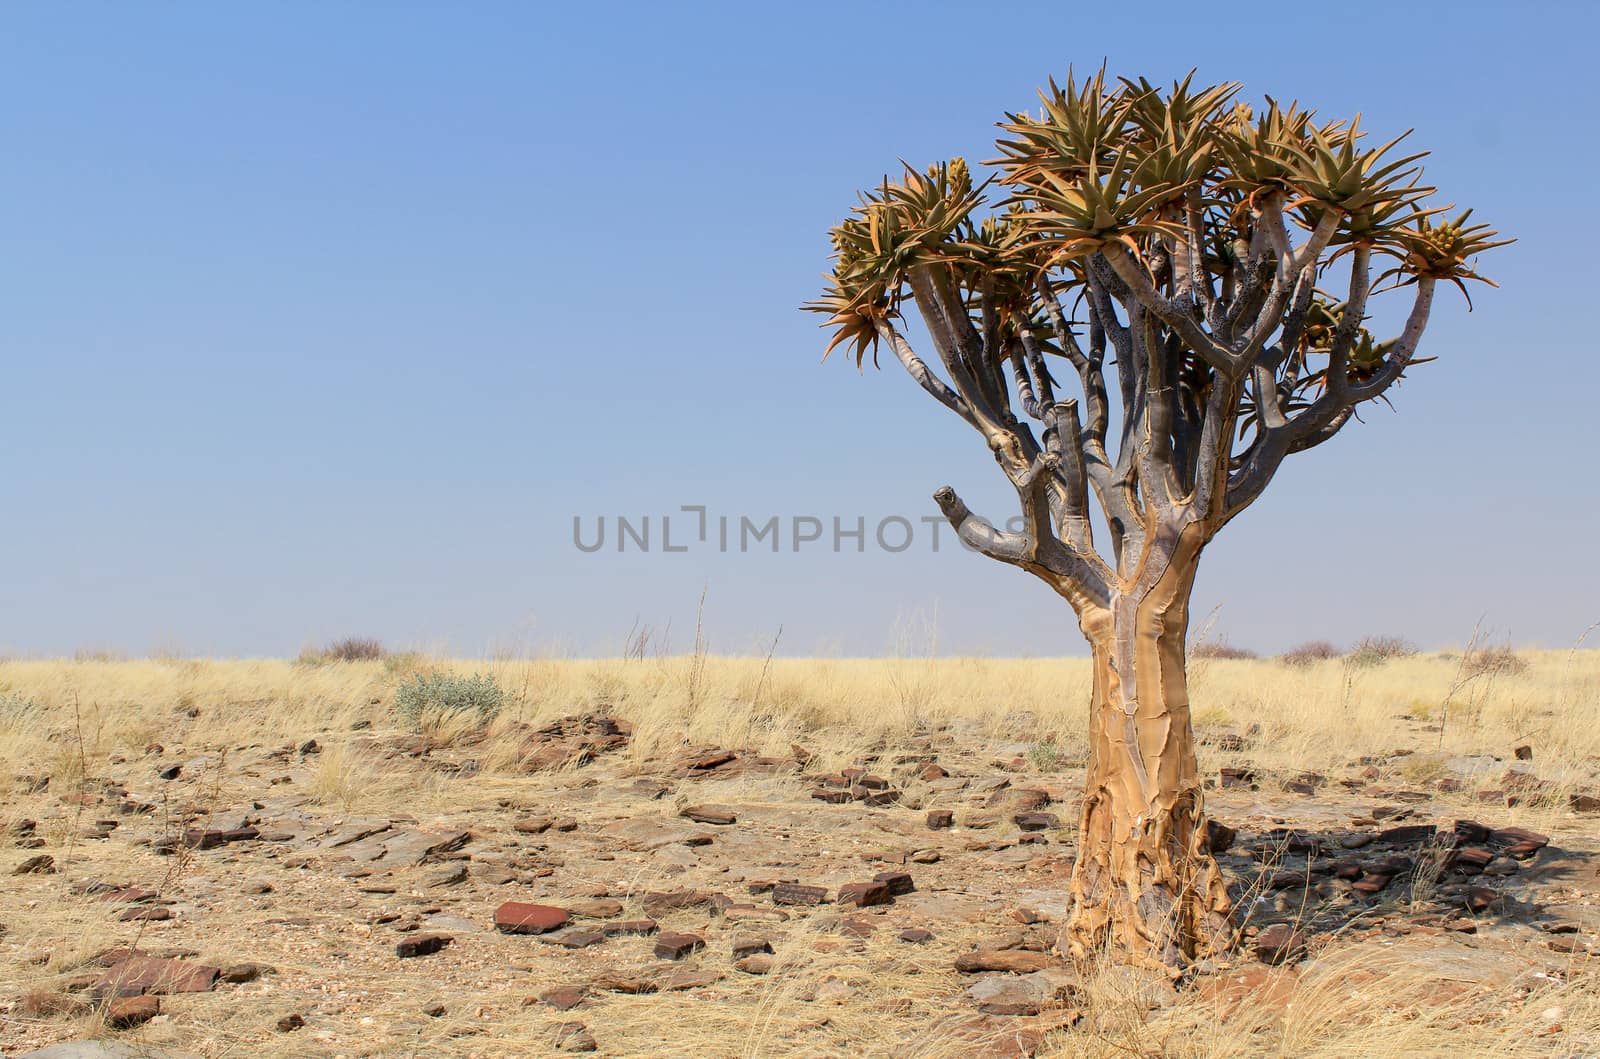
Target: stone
412, 848
1219, 836
564, 998
1482, 899
1584, 803
671, 946
1018, 961
759, 963
127, 1012
864, 894
422, 945
713, 759
576, 939
240, 973
531, 825
630, 926
899, 882
749, 944
515, 917
1036, 821
797, 894
434, 1009
1279, 943
42, 864
571, 1037
1523, 753
916, 935
137, 975
291, 1022
940, 819
602, 908
705, 814
925, 856
832, 797
1008, 995
452, 875
145, 914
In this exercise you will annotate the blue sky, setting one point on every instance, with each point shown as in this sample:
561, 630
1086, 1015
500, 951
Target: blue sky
327, 319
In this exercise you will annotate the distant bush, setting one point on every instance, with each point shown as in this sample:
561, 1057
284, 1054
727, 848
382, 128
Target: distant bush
433, 698
1493, 661
1220, 650
1376, 650
349, 649
353, 649
1308, 653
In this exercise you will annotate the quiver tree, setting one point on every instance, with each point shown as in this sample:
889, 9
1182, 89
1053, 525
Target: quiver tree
1203, 273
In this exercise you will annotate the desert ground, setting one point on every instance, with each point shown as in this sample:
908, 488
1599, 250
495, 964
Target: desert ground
736, 856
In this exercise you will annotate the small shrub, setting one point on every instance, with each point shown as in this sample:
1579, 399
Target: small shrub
1376, 650
1046, 756
353, 649
431, 699
1221, 650
1493, 661
1309, 653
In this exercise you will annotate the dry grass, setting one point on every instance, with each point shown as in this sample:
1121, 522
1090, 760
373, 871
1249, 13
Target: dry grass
69, 719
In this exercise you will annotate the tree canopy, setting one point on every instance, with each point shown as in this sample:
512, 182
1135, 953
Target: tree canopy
1189, 235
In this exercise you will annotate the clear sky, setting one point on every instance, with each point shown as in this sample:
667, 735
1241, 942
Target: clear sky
327, 319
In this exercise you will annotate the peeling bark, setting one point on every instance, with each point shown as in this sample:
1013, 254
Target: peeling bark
1145, 882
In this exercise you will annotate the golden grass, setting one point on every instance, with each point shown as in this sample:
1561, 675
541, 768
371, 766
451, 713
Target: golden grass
1303, 718
68, 718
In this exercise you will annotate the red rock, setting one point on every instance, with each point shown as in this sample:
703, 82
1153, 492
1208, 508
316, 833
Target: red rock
713, 759
576, 939
126, 1012
677, 946
145, 914
872, 783
899, 882
1036, 821
796, 894
531, 825
422, 945
1482, 899
749, 944
291, 1022
832, 797
874, 798
515, 917
1470, 860
564, 999
939, 819
630, 926
1019, 961
1279, 943
138, 975
1236, 777
865, 894
855, 928
1584, 803
932, 771
42, 864
916, 935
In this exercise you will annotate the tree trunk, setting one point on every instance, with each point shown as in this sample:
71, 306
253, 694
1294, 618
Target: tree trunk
1145, 881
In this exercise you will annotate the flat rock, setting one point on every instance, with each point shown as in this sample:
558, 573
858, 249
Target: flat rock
515, 917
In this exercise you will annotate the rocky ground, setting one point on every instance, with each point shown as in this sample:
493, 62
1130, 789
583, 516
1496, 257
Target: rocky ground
202, 901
